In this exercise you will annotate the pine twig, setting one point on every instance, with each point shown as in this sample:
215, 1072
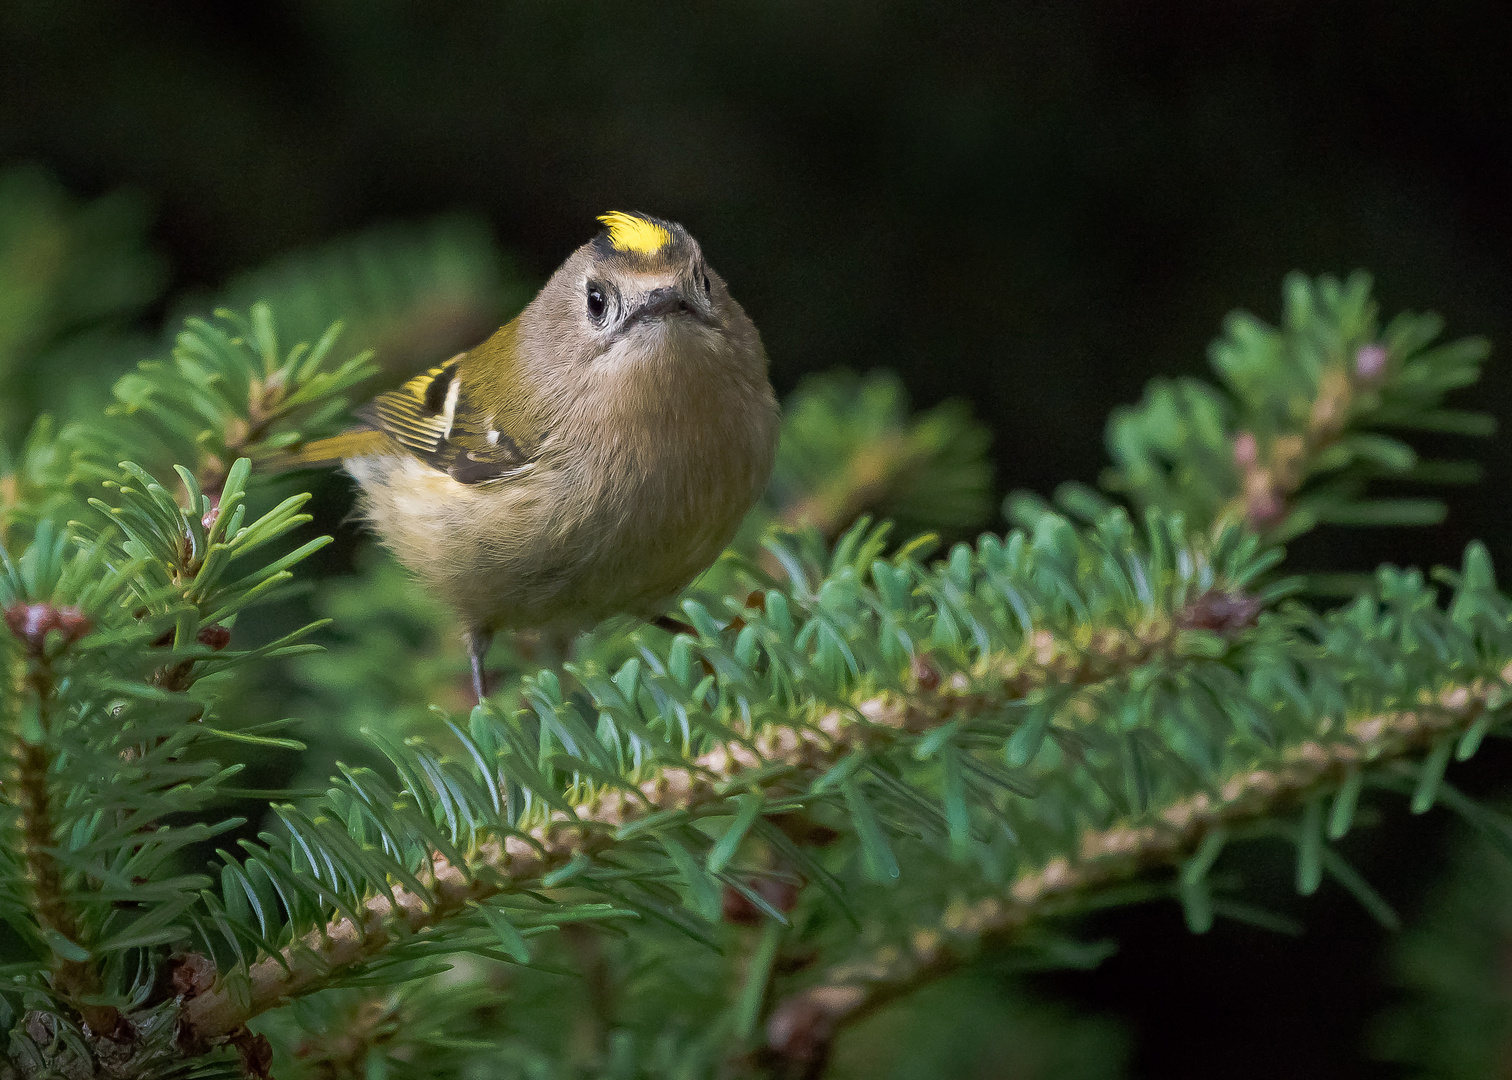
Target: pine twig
801, 1029
33, 680
1270, 478
701, 784
869, 477
517, 863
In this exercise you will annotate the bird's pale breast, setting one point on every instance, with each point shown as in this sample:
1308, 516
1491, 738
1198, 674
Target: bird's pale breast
599, 525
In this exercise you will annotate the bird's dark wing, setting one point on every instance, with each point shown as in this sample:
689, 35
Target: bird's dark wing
433, 418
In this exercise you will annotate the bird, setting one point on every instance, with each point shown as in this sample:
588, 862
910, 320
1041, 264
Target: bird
589, 459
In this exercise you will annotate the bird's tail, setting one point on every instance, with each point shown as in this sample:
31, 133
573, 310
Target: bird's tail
323, 452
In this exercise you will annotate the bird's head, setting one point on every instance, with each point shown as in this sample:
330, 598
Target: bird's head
641, 290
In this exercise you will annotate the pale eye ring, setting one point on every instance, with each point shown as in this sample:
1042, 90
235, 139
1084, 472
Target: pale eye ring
598, 303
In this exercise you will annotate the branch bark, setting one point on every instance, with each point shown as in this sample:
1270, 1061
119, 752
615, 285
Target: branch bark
32, 761
699, 785
801, 1029
702, 784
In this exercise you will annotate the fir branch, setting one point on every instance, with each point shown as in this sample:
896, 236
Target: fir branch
781, 759
850, 448
413, 293
863, 485
103, 629
231, 389
31, 720
1295, 434
1185, 615
801, 1029
782, 756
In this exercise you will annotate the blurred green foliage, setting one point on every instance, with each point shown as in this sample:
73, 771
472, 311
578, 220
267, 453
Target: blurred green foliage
1452, 1018
413, 294
75, 279
981, 1027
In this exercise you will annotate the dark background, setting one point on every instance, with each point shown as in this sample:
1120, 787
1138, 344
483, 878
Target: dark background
1034, 206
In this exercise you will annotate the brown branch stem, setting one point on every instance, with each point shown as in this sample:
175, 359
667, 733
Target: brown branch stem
873, 472
595, 1015
32, 762
801, 1029
1272, 474
699, 785
517, 863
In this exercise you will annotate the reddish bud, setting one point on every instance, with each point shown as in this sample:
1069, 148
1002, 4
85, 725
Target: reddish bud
1264, 509
926, 676
210, 518
1246, 450
33, 622
756, 600
1370, 362
737, 908
256, 1053
781, 893
29, 622
214, 636
802, 829
74, 623
190, 974
1221, 612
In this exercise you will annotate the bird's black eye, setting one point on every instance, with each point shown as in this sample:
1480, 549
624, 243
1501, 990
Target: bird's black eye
597, 305
706, 284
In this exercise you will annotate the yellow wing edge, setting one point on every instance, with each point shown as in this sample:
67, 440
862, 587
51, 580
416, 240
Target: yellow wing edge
324, 452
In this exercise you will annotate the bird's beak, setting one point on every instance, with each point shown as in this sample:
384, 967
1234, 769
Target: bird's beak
659, 303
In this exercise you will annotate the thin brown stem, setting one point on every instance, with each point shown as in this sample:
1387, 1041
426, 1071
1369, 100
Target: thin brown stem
801, 1029
595, 1017
873, 472
784, 759
34, 685
1272, 474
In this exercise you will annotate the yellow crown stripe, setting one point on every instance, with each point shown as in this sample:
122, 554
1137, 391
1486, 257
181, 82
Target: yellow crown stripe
629, 232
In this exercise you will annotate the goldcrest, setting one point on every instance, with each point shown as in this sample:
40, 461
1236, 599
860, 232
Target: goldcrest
590, 458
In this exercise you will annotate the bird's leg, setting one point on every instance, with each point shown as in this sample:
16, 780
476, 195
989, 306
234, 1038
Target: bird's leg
478, 642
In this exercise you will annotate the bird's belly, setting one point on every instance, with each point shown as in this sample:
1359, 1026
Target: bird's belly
540, 551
